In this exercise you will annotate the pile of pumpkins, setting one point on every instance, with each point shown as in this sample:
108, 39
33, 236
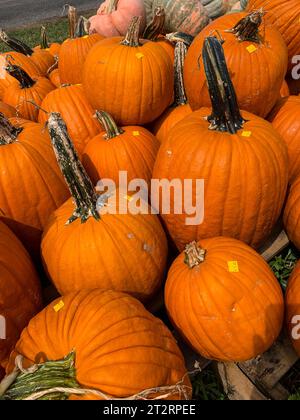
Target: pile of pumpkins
198, 99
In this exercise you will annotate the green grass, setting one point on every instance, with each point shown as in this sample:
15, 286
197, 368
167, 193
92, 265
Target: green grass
207, 386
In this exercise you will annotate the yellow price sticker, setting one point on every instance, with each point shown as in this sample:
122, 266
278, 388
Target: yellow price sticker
251, 48
233, 267
136, 133
59, 306
139, 56
128, 198
246, 133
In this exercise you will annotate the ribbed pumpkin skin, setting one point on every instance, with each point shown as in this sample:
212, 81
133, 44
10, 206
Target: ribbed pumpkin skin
43, 60
121, 349
53, 49
285, 118
19, 290
135, 89
133, 151
243, 196
284, 15
72, 104
292, 213
292, 303
163, 125
7, 110
187, 16
121, 252
19, 97
225, 316
72, 55
54, 78
254, 76
31, 184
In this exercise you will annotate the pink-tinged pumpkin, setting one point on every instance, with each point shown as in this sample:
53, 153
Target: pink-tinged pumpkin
112, 343
114, 17
224, 299
71, 102
292, 304
285, 118
292, 213
256, 59
243, 197
188, 16
19, 290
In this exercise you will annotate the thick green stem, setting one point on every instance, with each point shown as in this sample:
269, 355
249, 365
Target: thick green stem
132, 37
157, 26
194, 255
44, 40
111, 6
15, 44
225, 115
51, 374
8, 133
109, 125
180, 54
20, 75
78, 181
247, 29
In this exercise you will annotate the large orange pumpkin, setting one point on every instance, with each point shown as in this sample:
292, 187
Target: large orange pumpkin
110, 249
292, 303
224, 299
71, 102
20, 295
120, 348
132, 149
285, 118
74, 50
240, 157
31, 185
256, 59
284, 15
27, 94
131, 79
292, 213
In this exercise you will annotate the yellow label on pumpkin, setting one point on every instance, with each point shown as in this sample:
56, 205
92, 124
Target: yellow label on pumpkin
59, 306
128, 198
85, 36
233, 267
136, 133
139, 55
246, 133
251, 48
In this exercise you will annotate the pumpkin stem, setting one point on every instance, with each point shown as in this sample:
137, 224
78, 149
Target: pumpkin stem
44, 39
109, 125
72, 17
51, 374
194, 255
225, 111
132, 37
15, 44
82, 27
78, 181
180, 54
157, 26
247, 29
19, 74
8, 133
111, 6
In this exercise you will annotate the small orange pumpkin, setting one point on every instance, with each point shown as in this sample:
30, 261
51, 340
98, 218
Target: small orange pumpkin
224, 299
54, 78
53, 48
292, 303
292, 213
285, 90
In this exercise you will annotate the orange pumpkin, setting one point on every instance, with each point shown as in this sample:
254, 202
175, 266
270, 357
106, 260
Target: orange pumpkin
72, 104
131, 79
256, 59
292, 303
239, 156
53, 48
74, 50
180, 109
31, 186
124, 349
54, 78
284, 15
26, 95
285, 90
285, 118
7, 110
292, 213
110, 249
224, 299
131, 149
19, 289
